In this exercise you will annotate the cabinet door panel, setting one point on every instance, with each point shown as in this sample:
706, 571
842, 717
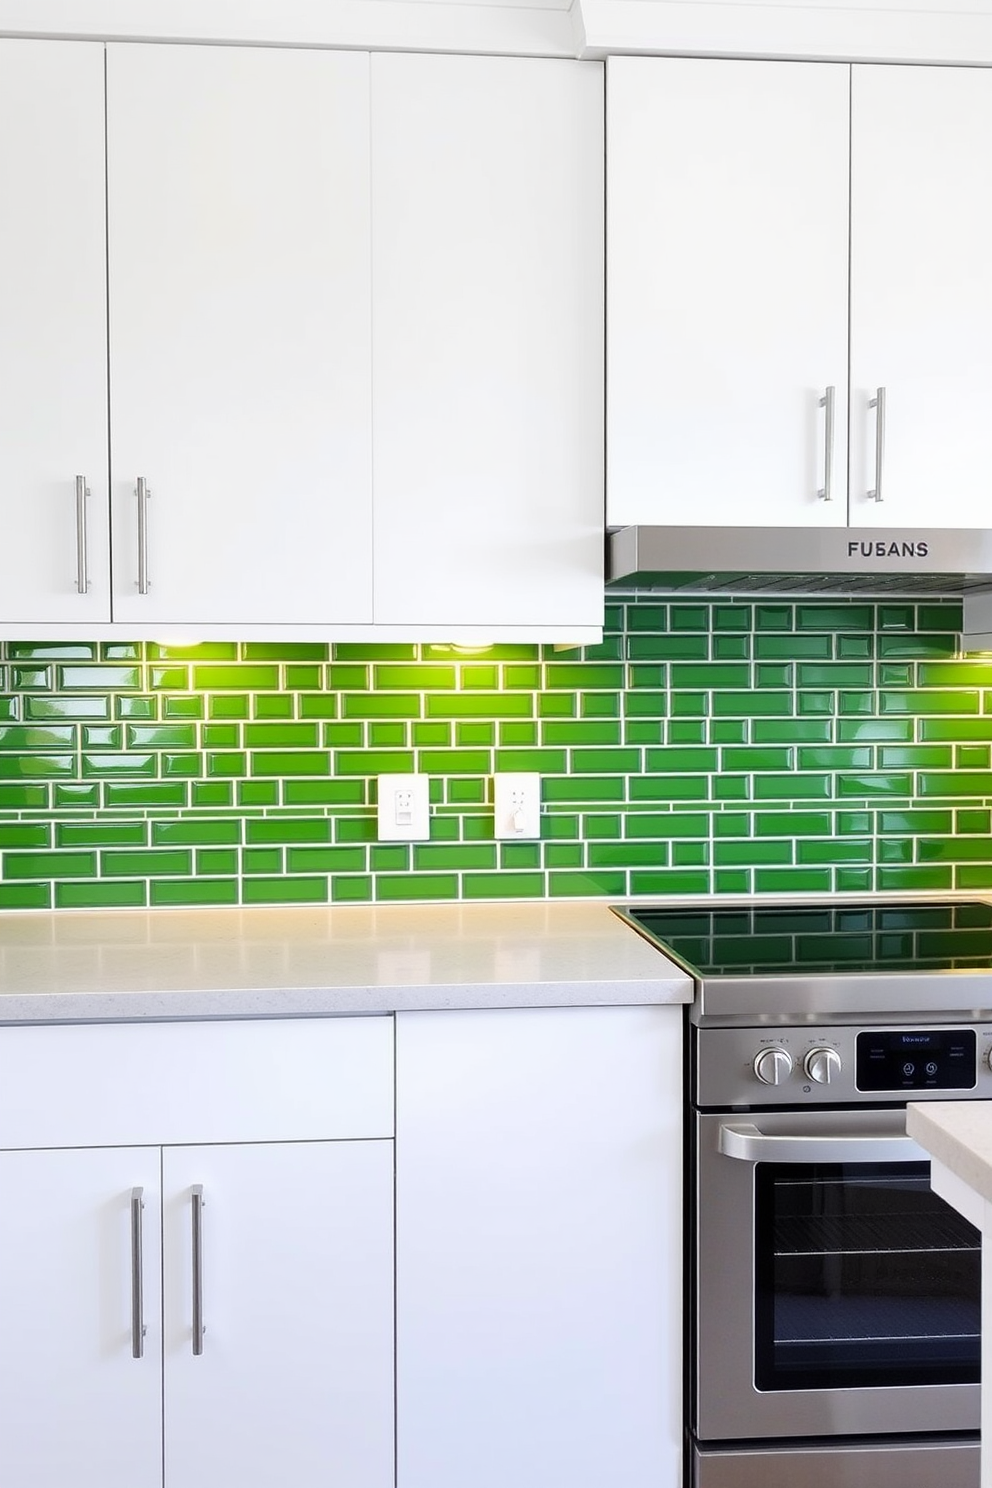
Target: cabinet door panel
238, 184
921, 294
488, 358
295, 1382
538, 1233
76, 1407
53, 330
727, 222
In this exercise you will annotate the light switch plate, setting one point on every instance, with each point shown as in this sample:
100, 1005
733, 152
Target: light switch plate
517, 806
404, 808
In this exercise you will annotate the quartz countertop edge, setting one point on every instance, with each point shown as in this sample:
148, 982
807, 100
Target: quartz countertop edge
311, 961
957, 1134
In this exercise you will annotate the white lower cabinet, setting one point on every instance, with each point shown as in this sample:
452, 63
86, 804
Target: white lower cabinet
538, 1248
266, 1356
76, 1407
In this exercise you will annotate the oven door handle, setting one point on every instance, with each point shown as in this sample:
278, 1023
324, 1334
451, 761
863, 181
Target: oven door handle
748, 1144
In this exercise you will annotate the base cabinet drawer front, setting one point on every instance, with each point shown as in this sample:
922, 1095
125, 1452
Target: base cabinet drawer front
241, 1081
76, 1406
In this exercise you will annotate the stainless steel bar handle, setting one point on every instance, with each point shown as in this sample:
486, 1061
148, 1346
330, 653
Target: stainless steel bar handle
748, 1144
82, 578
826, 491
878, 403
142, 492
197, 1212
138, 1329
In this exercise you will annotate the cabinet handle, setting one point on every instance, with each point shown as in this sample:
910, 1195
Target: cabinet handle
137, 1289
826, 491
82, 491
142, 492
197, 1215
878, 403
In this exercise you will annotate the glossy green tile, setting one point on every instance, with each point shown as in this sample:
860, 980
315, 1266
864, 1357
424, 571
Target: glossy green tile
19, 737
853, 823
856, 703
816, 704
51, 650
732, 824
215, 862
97, 678
774, 617
102, 736
671, 824
563, 884
752, 704
159, 736
774, 674
325, 860
125, 864
13, 834
284, 891
300, 677
916, 648
915, 878
918, 756
878, 784
299, 762
539, 761
106, 894
519, 855
281, 736
837, 851
756, 758
845, 617
731, 617
23, 797
478, 705
405, 679
145, 708
732, 881
37, 766
220, 736
172, 793
647, 705
324, 792
100, 834
43, 709
972, 821
436, 857
972, 757
840, 757
262, 860
924, 701
456, 762
792, 880
193, 891
693, 731
944, 616
689, 617
672, 758
954, 729
32, 679
25, 896
793, 823
629, 854
114, 766
605, 731
576, 678
875, 730
954, 850
954, 783
668, 648
557, 705
226, 763
793, 787
351, 889
281, 830
852, 880
50, 865
74, 796
284, 651
412, 886
855, 648
834, 674
468, 735
669, 881
235, 678
210, 793
738, 852
272, 705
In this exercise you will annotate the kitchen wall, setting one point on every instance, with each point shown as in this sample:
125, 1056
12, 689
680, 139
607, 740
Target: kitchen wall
728, 746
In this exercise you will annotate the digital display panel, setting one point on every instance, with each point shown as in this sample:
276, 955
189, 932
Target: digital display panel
917, 1059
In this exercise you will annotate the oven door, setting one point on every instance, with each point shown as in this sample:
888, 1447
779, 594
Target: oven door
835, 1293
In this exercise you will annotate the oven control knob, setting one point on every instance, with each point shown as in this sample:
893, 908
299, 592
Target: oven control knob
772, 1066
822, 1065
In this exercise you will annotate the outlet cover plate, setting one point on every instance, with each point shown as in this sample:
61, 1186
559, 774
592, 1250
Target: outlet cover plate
517, 806
403, 811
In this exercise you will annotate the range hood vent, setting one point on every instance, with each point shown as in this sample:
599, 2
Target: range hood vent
880, 561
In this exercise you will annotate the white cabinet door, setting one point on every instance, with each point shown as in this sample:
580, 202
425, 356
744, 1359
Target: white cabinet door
727, 290
53, 333
538, 1235
488, 362
76, 1406
294, 1385
921, 295
238, 184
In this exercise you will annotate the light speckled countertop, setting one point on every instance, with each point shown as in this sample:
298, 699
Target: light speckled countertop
73, 966
959, 1135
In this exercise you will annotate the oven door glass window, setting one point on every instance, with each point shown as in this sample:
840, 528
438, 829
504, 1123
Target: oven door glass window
863, 1276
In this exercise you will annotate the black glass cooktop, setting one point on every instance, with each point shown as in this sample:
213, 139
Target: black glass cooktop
822, 939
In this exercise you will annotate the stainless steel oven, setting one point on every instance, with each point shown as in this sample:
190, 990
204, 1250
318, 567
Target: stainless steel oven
834, 1299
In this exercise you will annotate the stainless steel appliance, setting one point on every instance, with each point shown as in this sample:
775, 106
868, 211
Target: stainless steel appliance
834, 1305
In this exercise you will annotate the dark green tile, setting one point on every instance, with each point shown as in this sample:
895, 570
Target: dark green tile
606, 731
672, 758
856, 703
689, 617
853, 880
793, 787
855, 648
912, 757
773, 674
773, 617
915, 648
23, 797
161, 736
874, 730
646, 616
284, 891
51, 650
646, 705
738, 853
874, 785
18, 737
756, 759
602, 761
834, 674
731, 788
117, 894
915, 878
732, 881
721, 730
793, 647
564, 855
972, 757
693, 731
668, 648
793, 823
73, 796
792, 880
732, 824
594, 827
837, 758
895, 850
816, 704
945, 616
731, 617
560, 827
752, 704
896, 617
172, 793
846, 617
577, 678
972, 821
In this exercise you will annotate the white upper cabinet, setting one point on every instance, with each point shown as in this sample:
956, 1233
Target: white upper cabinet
53, 347
487, 222
239, 271
727, 216
921, 295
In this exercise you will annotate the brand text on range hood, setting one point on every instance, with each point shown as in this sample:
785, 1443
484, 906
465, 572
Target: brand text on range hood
802, 560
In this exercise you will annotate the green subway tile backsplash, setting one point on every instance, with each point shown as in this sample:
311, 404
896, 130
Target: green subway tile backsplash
712, 746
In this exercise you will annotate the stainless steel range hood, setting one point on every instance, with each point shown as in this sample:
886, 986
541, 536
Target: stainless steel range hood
882, 561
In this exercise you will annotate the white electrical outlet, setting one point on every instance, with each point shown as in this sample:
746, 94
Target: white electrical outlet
404, 808
517, 806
